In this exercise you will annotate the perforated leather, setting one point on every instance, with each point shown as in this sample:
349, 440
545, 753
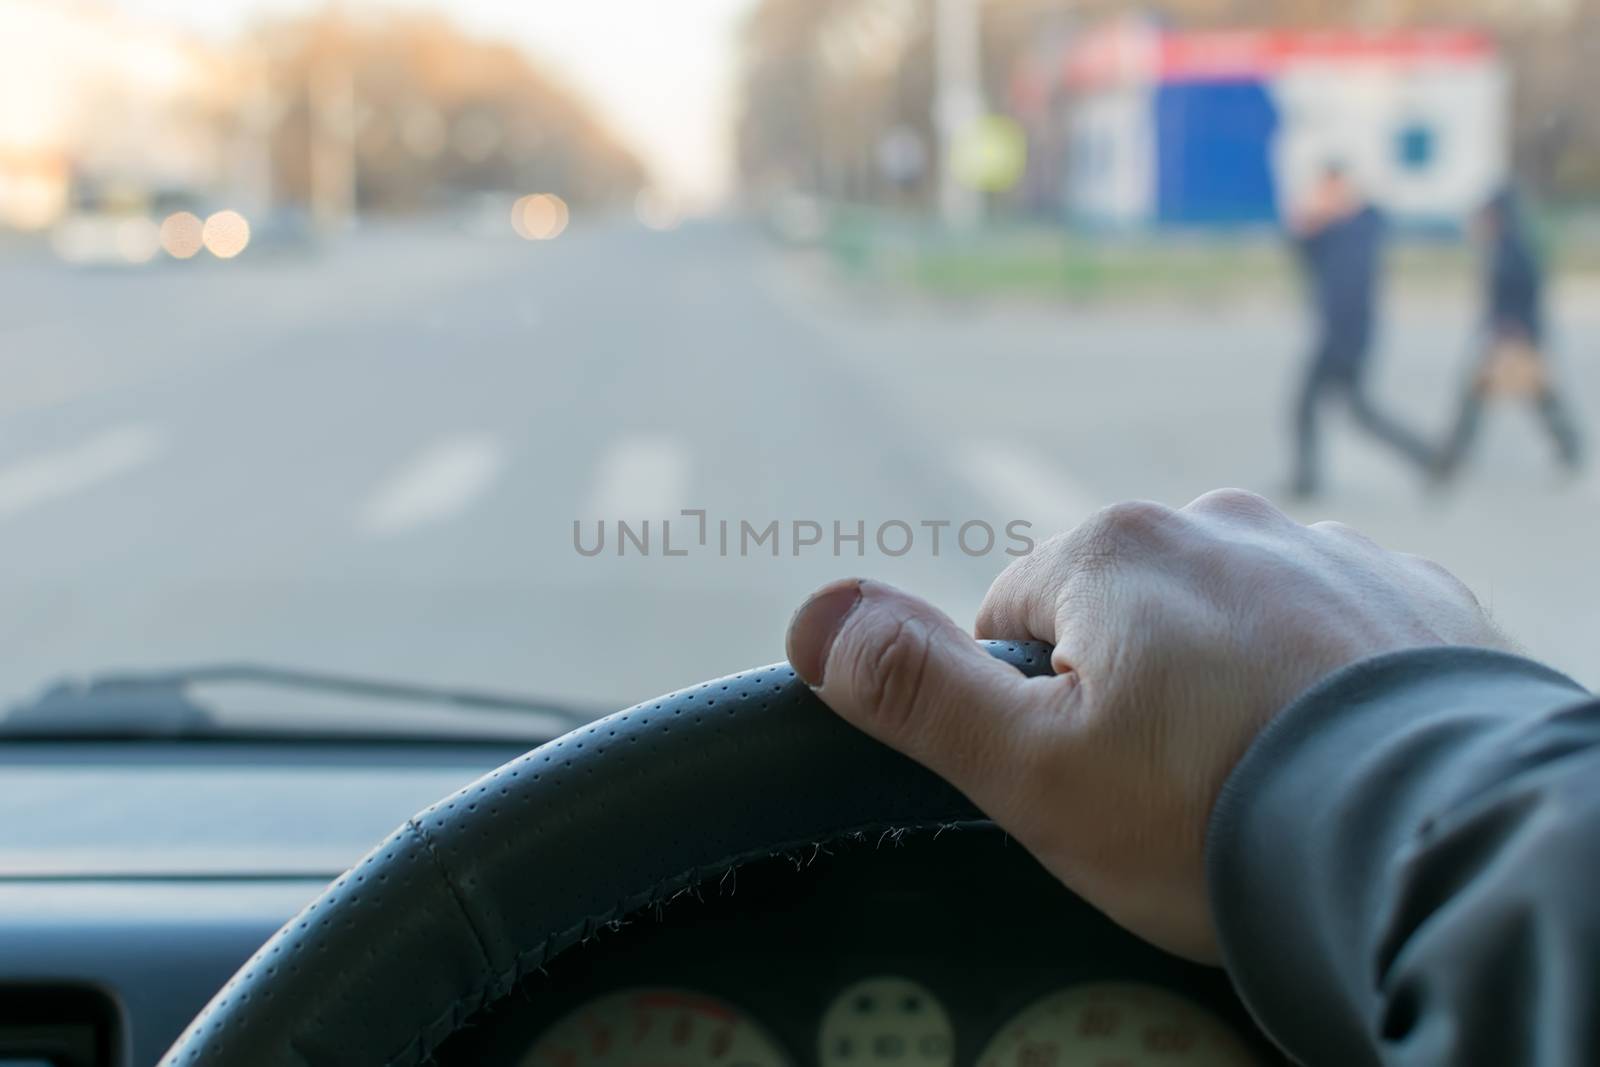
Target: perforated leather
472, 893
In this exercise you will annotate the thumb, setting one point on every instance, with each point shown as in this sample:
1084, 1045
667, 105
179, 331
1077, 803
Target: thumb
899, 669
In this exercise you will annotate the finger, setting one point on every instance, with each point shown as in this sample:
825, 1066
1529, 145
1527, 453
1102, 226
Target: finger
900, 670
1021, 603
1059, 594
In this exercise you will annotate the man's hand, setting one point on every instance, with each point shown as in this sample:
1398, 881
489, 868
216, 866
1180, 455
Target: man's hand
1178, 635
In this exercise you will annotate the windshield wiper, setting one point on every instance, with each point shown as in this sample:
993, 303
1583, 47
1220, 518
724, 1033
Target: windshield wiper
165, 704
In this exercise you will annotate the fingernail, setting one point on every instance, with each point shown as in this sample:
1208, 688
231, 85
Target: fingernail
816, 624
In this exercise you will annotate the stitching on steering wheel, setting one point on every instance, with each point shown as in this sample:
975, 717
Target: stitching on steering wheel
420, 1048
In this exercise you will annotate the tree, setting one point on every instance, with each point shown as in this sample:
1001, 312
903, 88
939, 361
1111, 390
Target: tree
822, 81
421, 112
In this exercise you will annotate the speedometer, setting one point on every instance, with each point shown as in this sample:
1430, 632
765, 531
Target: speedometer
1121, 1023
886, 1020
655, 1028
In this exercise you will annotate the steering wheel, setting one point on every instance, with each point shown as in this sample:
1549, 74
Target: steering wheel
474, 892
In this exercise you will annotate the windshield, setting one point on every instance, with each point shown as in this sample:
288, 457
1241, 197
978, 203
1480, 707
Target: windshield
562, 349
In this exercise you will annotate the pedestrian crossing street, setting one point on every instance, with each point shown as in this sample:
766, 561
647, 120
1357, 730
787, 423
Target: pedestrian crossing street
377, 467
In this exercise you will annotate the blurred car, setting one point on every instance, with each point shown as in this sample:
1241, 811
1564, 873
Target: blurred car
107, 227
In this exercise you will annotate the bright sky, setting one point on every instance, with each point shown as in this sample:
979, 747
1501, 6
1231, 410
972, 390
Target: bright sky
660, 72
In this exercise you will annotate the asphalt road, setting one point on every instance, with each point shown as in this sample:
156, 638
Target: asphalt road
371, 458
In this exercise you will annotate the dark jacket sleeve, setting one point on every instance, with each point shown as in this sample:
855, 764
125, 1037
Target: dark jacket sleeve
1405, 867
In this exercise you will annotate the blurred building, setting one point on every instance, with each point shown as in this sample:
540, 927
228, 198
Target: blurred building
402, 112
90, 98
104, 113
1169, 127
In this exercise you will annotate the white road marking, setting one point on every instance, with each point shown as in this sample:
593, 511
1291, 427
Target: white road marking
441, 482
1023, 486
39, 479
640, 477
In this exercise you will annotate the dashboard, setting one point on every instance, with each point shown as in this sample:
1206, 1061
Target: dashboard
927, 950
135, 878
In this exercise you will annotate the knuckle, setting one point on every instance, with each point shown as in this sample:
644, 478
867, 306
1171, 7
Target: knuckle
1239, 503
1112, 538
1050, 550
1440, 573
1048, 565
894, 672
1131, 520
1344, 532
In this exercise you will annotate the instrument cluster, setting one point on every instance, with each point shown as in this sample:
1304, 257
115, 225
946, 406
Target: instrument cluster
955, 951
891, 1021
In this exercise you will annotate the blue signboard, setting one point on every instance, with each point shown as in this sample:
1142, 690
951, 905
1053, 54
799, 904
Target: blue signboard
1213, 152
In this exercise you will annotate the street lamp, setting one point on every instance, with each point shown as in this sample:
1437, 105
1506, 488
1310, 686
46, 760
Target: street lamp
958, 103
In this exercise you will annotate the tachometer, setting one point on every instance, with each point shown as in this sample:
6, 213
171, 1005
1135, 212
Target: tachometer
1121, 1023
655, 1028
886, 1021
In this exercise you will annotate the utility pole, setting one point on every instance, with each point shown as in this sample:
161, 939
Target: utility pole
253, 172
333, 151
331, 119
958, 102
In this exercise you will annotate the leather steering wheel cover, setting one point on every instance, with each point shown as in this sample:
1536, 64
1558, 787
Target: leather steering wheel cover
473, 893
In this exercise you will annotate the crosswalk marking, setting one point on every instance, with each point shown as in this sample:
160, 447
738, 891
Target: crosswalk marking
640, 477
39, 479
1022, 485
441, 482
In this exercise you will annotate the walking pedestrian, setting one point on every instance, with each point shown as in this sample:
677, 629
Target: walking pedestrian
1339, 237
1512, 362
